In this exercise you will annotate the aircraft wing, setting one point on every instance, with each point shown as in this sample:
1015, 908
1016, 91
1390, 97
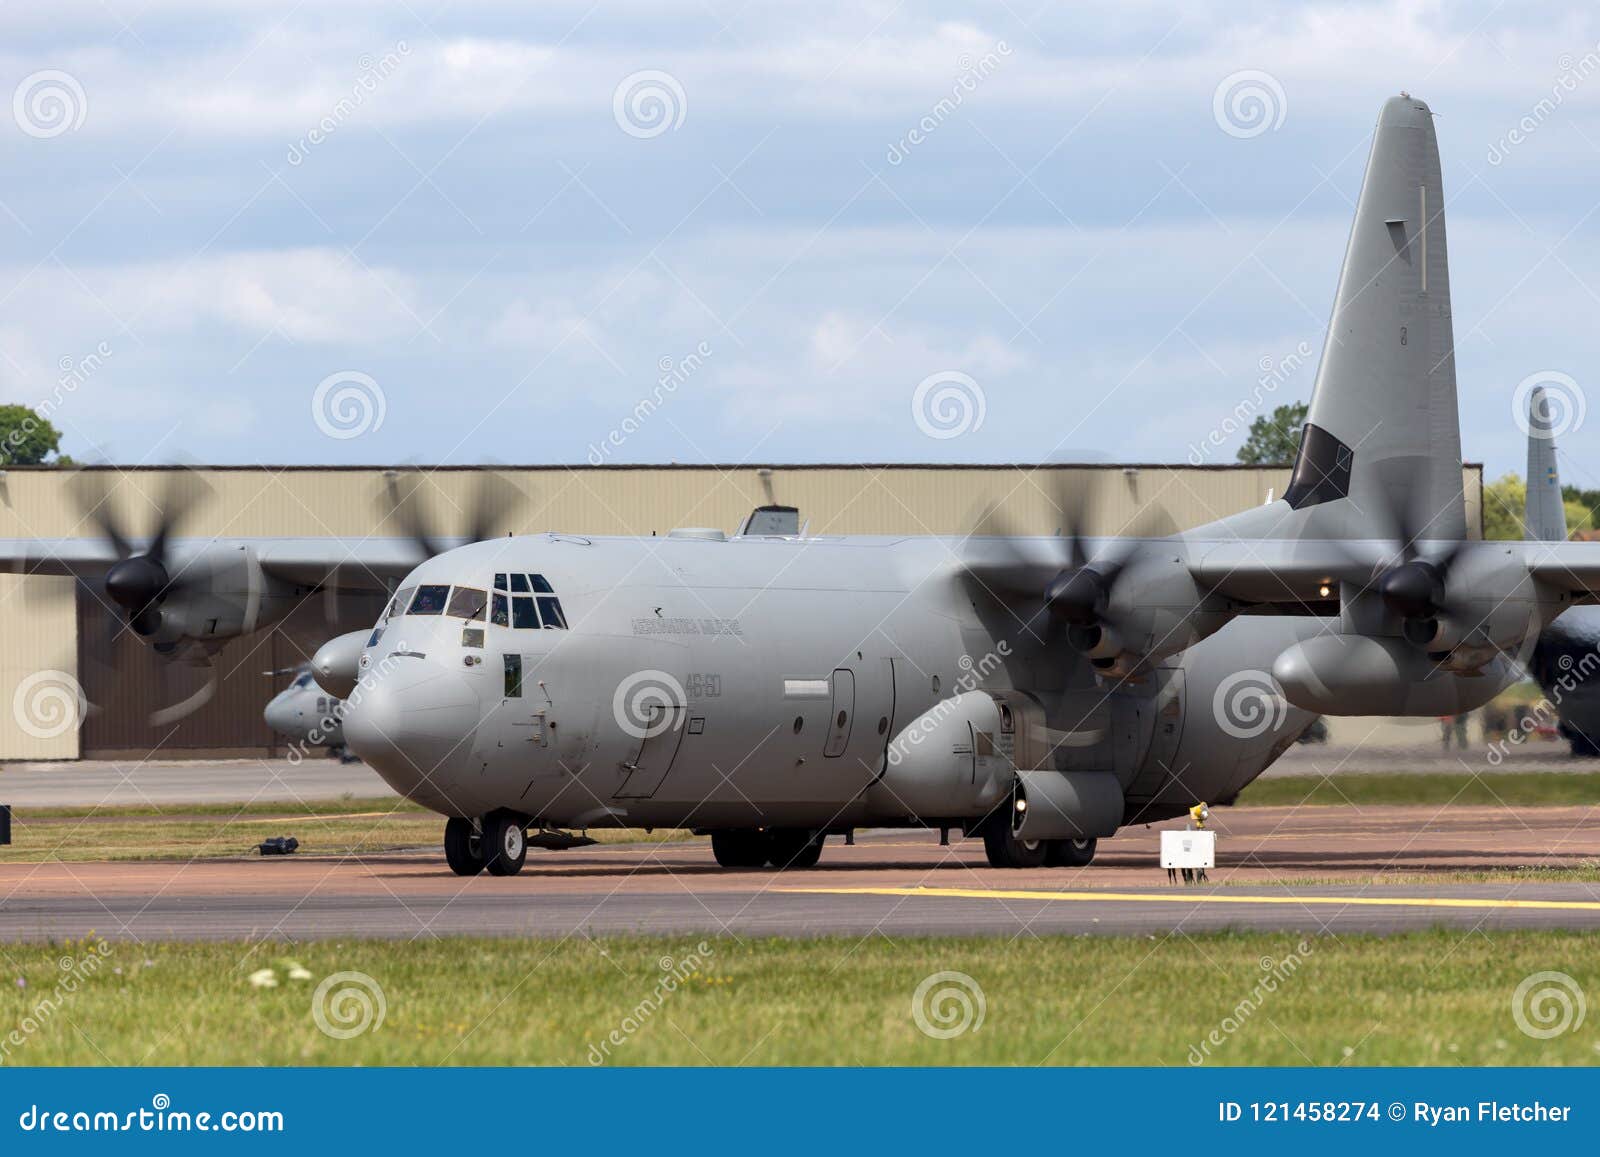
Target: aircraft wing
1570, 566
348, 563
1284, 571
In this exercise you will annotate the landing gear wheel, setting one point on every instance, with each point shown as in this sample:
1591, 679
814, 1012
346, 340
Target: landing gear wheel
1004, 850
741, 849
462, 847
796, 849
1071, 853
505, 843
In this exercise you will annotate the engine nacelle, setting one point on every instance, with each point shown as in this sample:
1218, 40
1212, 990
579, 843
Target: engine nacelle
1495, 607
224, 594
1158, 610
949, 762
1067, 805
1380, 675
337, 664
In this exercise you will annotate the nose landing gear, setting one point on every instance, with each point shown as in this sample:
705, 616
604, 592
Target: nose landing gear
497, 843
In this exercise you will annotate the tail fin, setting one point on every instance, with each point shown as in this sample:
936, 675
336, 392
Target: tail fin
1382, 430
1545, 514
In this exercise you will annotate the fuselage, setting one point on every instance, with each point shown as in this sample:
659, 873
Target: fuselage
305, 713
708, 683
1565, 662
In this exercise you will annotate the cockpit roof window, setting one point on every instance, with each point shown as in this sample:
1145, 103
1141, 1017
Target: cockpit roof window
499, 582
541, 584
467, 603
430, 599
519, 584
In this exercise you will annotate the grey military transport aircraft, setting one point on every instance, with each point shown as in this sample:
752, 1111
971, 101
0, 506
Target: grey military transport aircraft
1566, 658
1039, 692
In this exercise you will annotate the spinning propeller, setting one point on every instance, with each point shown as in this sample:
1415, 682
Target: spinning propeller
488, 510
140, 581
1073, 592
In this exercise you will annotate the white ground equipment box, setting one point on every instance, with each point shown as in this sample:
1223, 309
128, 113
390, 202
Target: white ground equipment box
1189, 850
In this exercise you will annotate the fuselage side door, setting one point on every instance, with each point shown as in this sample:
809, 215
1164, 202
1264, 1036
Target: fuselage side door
652, 760
842, 719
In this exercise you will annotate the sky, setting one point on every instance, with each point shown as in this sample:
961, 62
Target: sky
722, 231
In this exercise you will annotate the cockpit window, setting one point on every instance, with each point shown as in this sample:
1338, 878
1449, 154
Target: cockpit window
430, 600
499, 582
372, 639
500, 616
519, 584
541, 584
401, 602
467, 603
303, 681
550, 612
523, 613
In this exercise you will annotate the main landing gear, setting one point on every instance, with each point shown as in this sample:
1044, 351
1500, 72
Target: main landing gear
498, 844
1005, 850
779, 847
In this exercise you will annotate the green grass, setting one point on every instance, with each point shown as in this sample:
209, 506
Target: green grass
1513, 789
1425, 998
209, 831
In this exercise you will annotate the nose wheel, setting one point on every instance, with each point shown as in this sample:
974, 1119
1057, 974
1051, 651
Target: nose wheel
505, 843
463, 847
498, 843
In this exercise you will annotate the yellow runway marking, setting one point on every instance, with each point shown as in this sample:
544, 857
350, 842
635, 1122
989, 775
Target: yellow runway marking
1211, 898
329, 816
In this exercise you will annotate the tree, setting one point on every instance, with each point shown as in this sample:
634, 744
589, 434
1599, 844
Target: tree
26, 439
1503, 503
1274, 440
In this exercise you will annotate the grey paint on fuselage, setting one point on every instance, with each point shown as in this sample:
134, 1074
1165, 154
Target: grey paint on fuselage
306, 713
747, 635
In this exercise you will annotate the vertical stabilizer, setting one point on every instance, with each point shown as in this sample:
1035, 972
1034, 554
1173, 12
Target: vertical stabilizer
1545, 515
1382, 430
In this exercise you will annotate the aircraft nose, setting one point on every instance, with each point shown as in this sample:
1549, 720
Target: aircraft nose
410, 721
280, 717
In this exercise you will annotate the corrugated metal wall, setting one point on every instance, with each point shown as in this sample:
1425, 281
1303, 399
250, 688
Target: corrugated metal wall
41, 620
